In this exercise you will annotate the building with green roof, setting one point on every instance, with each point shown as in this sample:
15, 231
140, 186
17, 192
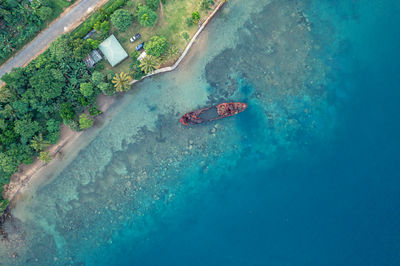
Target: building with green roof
112, 50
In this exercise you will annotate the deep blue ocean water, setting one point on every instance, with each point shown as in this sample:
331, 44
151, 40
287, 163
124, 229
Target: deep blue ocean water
306, 176
339, 205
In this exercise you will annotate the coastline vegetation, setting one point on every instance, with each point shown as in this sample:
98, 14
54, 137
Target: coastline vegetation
57, 87
22, 20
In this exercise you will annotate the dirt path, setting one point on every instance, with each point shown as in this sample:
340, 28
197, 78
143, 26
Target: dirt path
161, 10
69, 20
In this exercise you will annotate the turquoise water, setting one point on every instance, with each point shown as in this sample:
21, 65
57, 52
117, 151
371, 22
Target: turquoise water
308, 175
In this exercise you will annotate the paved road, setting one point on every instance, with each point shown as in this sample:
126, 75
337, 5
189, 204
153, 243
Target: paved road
68, 20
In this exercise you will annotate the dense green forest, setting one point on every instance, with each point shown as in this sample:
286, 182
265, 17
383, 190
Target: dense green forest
54, 88
21, 21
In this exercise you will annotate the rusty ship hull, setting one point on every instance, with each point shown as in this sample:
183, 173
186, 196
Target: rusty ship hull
212, 113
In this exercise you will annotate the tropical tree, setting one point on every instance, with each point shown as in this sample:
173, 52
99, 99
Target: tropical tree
196, 17
16, 79
60, 48
206, 4
93, 111
38, 143
45, 13
53, 127
106, 88
85, 121
146, 16
8, 164
26, 128
3, 204
149, 64
45, 156
20, 108
153, 4
93, 43
105, 27
48, 83
185, 35
134, 70
171, 52
86, 89
97, 77
5, 94
121, 19
121, 82
156, 46
81, 48
67, 111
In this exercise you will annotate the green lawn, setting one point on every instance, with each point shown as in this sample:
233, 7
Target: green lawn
170, 25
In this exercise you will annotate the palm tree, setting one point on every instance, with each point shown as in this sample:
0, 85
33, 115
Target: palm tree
171, 52
149, 63
121, 82
38, 144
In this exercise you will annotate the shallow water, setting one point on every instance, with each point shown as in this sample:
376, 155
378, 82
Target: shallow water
308, 174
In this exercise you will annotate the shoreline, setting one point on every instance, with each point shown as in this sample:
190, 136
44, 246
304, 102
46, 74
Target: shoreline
184, 53
28, 173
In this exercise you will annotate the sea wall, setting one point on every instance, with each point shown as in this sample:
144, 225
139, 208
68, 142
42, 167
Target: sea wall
176, 64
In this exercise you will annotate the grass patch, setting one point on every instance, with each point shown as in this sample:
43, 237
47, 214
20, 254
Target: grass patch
170, 25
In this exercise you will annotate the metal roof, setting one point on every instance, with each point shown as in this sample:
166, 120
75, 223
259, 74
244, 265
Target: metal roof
112, 50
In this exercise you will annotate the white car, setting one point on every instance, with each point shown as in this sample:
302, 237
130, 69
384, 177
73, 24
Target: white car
136, 37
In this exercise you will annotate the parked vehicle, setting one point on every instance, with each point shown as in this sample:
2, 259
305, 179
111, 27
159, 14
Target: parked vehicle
136, 37
142, 56
140, 46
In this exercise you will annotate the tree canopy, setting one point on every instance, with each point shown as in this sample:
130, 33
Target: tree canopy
206, 4
121, 19
146, 16
60, 48
45, 13
149, 64
47, 84
185, 35
121, 82
20, 21
26, 128
97, 77
67, 111
45, 156
153, 4
156, 46
85, 121
55, 87
196, 17
86, 89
